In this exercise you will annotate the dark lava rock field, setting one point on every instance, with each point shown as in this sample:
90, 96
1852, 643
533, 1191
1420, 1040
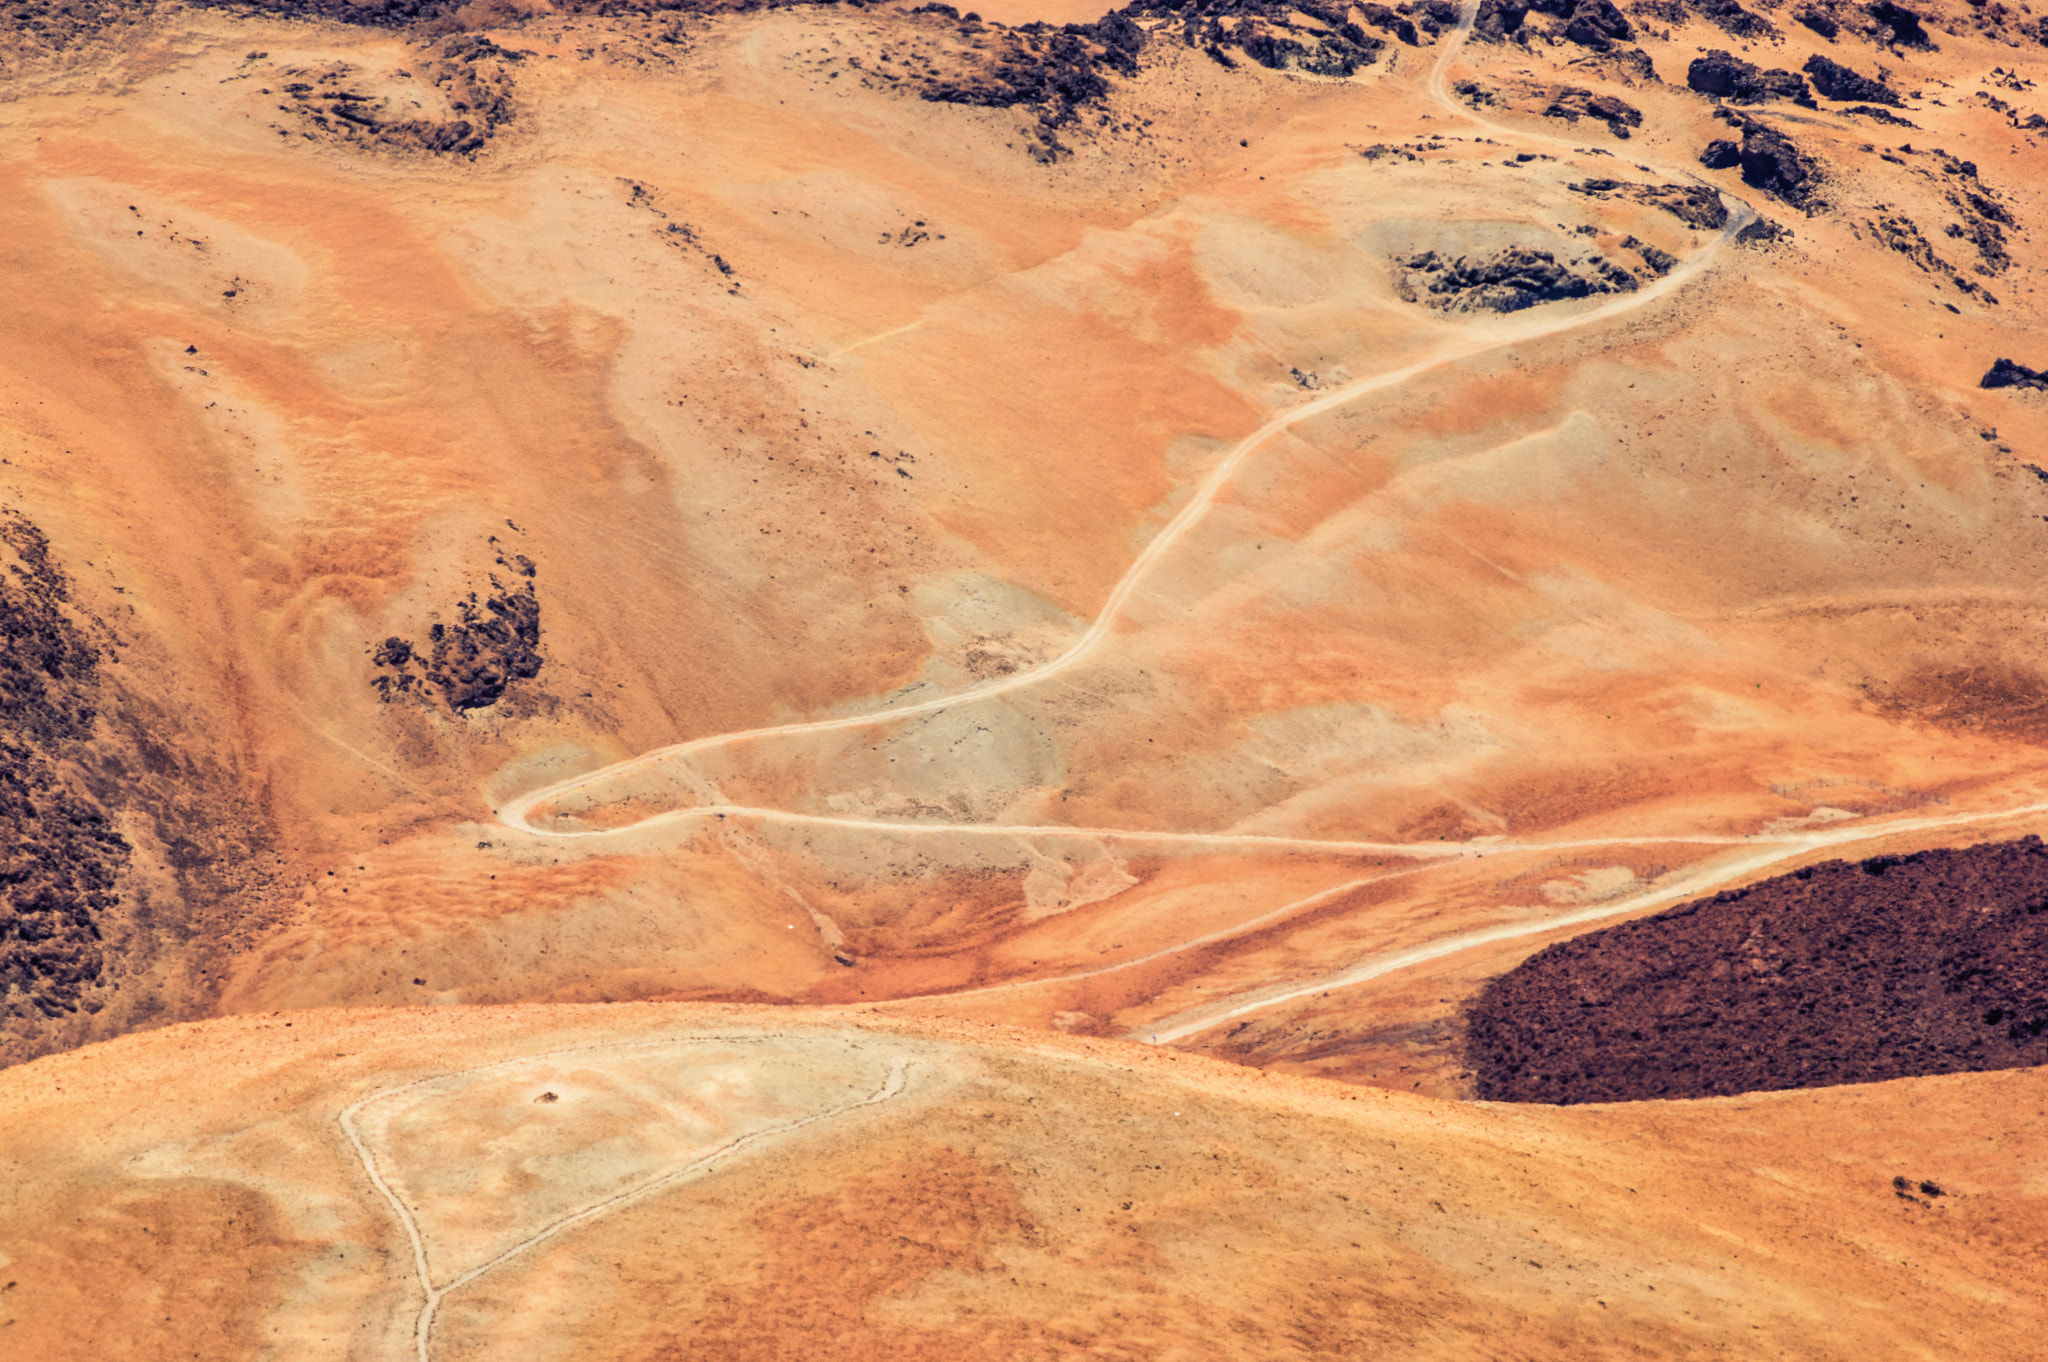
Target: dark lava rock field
1839, 973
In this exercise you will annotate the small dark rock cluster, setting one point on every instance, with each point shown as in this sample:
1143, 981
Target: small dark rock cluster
1726, 76
1509, 280
1055, 71
2006, 374
1770, 161
1981, 223
1267, 32
1883, 22
1572, 104
1847, 972
1059, 71
472, 72
1695, 205
1884, 116
471, 662
1727, 15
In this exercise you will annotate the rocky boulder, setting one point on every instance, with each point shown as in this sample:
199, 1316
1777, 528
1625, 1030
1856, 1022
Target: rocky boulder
1723, 75
2006, 374
1836, 81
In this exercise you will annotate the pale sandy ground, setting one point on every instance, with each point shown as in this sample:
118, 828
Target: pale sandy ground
1567, 625
950, 1191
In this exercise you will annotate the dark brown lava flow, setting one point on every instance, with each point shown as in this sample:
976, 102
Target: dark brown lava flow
1840, 973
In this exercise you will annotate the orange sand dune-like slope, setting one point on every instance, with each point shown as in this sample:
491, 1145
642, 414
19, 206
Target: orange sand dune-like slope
1222, 530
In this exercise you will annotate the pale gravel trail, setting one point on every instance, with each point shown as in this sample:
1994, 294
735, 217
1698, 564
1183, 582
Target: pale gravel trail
517, 813
1774, 848
1478, 339
892, 1086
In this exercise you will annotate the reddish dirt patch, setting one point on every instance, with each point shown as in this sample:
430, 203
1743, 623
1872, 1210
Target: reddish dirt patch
1995, 698
1839, 973
827, 1262
184, 1270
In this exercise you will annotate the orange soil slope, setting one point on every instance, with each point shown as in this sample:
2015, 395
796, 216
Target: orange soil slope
803, 396
953, 1191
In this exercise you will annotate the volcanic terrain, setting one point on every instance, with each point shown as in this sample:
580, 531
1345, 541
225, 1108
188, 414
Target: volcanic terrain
679, 674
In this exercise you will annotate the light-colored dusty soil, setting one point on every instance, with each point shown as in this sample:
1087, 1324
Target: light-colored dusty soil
1002, 1195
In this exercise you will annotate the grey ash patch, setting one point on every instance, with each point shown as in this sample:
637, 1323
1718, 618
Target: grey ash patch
1508, 280
470, 663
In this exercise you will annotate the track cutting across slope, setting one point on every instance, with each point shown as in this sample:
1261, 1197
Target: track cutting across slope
892, 1085
519, 813
1481, 339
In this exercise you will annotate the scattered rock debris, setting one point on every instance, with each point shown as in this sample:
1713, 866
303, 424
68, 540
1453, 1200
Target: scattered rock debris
1727, 15
1694, 205
1572, 103
1589, 23
468, 73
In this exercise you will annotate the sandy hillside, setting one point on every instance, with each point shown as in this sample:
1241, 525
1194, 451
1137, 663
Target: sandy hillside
1178, 456
1229, 528
655, 1181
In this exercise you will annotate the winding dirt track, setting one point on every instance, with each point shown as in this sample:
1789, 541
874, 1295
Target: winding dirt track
518, 813
423, 1326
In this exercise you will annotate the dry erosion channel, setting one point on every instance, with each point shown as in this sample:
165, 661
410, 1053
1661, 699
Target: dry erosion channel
861, 680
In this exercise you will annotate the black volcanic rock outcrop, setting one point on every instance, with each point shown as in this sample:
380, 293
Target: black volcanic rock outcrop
1726, 76
1901, 24
1836, 81
1732, 18
2006, 374
1770, 161
1509, 280
1841, 973
1597, 24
